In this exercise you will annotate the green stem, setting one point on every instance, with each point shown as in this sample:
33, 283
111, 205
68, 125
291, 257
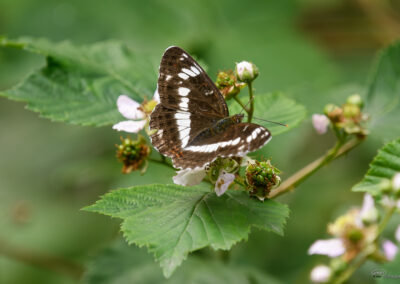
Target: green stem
292, 182
251, 98
363, 255
241, 104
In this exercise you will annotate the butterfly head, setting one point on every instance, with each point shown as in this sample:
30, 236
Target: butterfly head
237, 118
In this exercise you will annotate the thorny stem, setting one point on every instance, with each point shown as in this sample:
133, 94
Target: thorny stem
54, 263
251, 98
292, 182
363, 255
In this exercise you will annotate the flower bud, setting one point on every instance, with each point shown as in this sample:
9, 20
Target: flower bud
228, 85
261, 178
333, 112
351, 111
355, 100
321, 274
132, 153
246, 71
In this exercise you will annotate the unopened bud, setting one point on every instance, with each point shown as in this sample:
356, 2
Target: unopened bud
355, 100
246, 71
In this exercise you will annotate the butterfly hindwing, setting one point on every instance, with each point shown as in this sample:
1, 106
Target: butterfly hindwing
237, 140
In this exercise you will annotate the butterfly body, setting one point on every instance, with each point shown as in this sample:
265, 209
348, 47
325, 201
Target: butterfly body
192, 120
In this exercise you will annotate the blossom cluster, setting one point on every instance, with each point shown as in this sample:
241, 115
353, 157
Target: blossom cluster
358, 231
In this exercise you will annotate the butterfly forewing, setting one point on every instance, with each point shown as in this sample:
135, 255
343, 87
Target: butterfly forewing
183, 85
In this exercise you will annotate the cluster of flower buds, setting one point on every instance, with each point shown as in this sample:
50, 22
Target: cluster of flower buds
228, 85
355, 232
348, 118
133, 154
261, 178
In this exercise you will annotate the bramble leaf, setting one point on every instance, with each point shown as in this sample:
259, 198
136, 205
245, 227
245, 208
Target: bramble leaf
80, 84
121, 263
383, 94
173, 220
384, 166
275, 107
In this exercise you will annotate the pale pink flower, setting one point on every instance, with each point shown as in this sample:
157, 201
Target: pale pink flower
132, 110
189, 177
331, 247
368, 214
321, 274
396, 182
397, 234
320, 123
223, 182
389, 249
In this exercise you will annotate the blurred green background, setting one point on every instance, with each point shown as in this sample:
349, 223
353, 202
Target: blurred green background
315, 51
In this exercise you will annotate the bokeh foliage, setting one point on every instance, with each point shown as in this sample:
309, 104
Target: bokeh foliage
51, 170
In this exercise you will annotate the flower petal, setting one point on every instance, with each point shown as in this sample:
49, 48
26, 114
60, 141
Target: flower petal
397, 234
321, 274
156, 96
130, 126
331, 247
396, 182
189, 177
368, 213
320, 123
129, 108
223, 182
389, 249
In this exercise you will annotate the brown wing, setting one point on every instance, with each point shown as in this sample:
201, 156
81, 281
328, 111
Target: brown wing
237, 140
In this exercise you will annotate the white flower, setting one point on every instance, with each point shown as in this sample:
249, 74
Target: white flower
330, 247
321, 274
389, 249
132, 110
368, 214
397, 234
246, 71
396, 182
189, 177
320, 123
223, 182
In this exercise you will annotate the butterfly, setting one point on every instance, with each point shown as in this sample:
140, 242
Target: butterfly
191, 123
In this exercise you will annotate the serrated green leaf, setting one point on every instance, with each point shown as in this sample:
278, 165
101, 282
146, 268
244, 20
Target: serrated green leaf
384, 166
383, 95
122, 264
80, 84
173, 220
275, 107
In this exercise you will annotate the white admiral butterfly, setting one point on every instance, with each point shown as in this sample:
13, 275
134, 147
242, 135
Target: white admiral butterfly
192, 120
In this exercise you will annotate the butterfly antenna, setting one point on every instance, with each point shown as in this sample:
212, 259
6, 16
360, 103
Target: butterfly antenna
246, 105
270, 121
